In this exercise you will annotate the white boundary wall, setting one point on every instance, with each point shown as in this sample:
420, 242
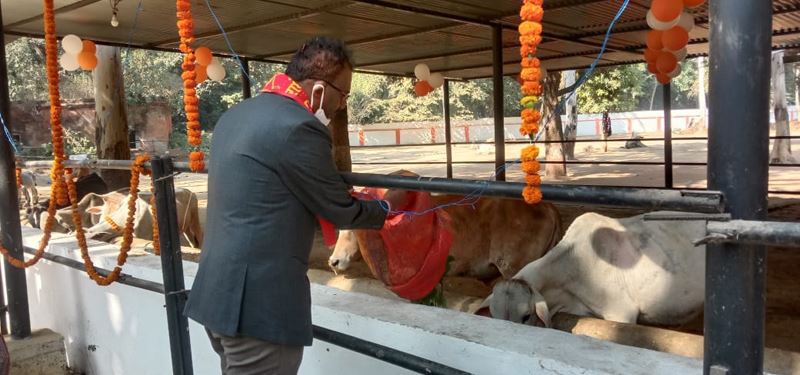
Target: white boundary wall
482, 130
122, 330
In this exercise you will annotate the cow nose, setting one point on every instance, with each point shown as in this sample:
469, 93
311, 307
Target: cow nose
334, 263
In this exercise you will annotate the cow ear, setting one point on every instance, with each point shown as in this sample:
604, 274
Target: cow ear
483, 309
96, 210
541, 309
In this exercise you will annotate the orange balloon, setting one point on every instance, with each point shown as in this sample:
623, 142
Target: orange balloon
422, 88
654, 40
201, 74
662, 78
87, 60
693, 3
203, 56
89, 46
666, 62
666, 10
650, 55
651, 67
675, 38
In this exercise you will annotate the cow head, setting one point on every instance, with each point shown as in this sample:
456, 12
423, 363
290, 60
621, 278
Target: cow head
345, 252
516, 301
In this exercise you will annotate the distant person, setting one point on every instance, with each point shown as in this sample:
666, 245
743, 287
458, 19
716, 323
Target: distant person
606, 130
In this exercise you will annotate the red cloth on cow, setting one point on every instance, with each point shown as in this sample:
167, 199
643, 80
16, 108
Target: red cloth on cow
415, 247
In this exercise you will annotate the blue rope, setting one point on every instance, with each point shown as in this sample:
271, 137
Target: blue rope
8, 134
468, 200
228, 42
588, 73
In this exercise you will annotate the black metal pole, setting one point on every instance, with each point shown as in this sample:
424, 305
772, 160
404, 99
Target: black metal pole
384, 353
651, 199
124, 278
448, 137
668, 183
497, 91
172, 266
247, 91
738, 152
16, 285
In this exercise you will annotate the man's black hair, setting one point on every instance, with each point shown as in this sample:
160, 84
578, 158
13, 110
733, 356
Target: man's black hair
319, 58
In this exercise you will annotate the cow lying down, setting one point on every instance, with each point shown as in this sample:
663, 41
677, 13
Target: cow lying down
623, 270
104, 215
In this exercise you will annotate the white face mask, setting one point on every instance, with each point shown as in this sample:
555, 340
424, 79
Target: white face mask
320, 113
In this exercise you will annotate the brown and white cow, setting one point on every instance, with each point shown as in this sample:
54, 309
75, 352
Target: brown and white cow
496, 237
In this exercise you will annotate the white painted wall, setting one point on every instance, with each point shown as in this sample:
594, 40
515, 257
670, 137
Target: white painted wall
126, 330
483, 129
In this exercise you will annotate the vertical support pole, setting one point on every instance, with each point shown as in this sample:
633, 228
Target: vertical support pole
247, 92
171, 266
497, 90
448, 138
668, 183
738, 156
16, 284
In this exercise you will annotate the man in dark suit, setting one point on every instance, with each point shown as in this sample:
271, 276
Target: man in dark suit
271, 176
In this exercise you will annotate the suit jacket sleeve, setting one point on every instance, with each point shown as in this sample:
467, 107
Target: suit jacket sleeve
307, 169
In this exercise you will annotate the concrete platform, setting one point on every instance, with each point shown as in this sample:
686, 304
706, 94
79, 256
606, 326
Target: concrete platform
41, 354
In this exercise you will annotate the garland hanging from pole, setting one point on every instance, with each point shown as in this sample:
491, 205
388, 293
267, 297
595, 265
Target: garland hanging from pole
530, 35
189, 76
63, 187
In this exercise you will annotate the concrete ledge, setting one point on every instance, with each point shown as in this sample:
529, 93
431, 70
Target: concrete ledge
41, 354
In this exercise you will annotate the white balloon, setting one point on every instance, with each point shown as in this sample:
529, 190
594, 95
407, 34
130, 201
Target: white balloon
422, 72
655, 24
72, 44
676, 72
215, 71
436, 80
69, 62
680, 54
686, 21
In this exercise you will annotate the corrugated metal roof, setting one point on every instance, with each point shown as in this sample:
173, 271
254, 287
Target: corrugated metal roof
390, 36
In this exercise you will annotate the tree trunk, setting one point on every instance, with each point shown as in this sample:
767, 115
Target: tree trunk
571, 128
781, 149
554, 151
341, 141
111, 133
701, 91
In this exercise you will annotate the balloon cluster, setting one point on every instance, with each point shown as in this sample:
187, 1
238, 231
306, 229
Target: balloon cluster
207, 66
78, 53
666, 43
427, 81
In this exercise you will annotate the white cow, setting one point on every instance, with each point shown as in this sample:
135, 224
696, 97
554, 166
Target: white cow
624, 270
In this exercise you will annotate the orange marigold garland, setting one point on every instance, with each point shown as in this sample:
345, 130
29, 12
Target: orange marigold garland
19, 178
189, 76
58, 191
51, 60
127, 236
530, 35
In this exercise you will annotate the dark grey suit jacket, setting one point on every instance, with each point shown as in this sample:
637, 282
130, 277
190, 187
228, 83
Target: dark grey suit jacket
270, 173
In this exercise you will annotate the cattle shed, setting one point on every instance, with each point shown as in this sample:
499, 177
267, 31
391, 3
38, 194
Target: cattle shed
463, 40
